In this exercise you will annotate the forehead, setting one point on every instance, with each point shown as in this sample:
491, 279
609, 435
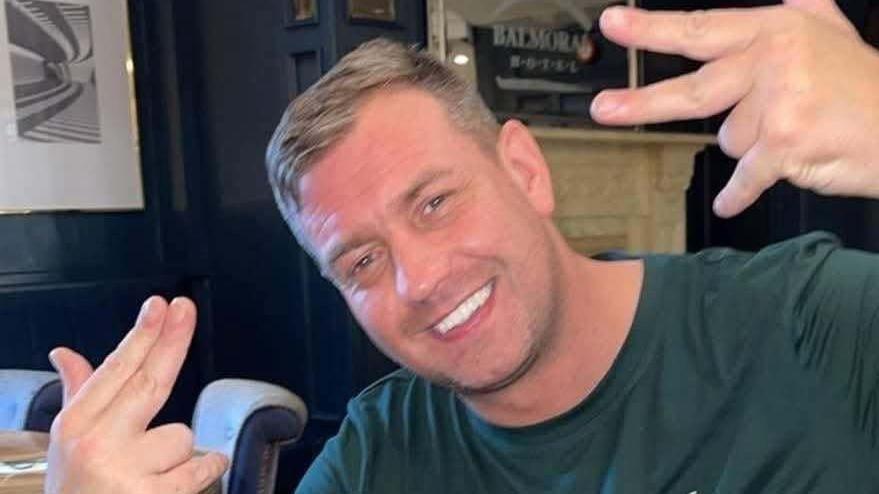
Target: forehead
399, 135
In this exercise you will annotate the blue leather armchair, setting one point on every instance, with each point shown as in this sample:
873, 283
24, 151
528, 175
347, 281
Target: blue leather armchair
248, 421
29, 400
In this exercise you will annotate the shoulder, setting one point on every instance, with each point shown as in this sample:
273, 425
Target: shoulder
721, 299
807, 248
386, 394
378, 434
784, 261
399, 397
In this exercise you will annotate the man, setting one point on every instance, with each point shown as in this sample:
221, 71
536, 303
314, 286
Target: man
531, 369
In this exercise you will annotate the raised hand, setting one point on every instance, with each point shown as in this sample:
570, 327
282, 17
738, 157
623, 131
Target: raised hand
803, 86
100, 443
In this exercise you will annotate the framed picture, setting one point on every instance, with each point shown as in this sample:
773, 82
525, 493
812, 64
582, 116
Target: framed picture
301, 12
68, 123
372, 10
535, 60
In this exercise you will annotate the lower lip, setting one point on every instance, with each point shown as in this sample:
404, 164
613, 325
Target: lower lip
462, 331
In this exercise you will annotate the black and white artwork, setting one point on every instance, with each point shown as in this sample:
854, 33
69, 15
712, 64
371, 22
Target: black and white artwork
51, 50
69, 139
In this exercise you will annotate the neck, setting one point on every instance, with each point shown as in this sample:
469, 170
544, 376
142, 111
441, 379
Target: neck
596, 313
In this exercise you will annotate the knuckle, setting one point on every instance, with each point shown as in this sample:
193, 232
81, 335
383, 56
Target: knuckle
199, 474
115, 364
179, 487
779, 49
786, 19
86, 450
796, 173
790, 41
782, 131
143, 382
696, 24
182, 435
62, 427
799, 86
696, 93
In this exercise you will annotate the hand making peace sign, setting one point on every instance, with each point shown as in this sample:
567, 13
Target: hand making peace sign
803, 86
100, 443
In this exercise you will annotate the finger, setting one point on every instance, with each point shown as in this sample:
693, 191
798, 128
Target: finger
167, 356
148, 389
699, 35
827, 10
193, 476
754, 173
73, 368
715, 87
120, 365
166, 447
741, 128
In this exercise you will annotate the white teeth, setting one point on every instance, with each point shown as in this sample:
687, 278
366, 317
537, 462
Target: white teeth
464, 311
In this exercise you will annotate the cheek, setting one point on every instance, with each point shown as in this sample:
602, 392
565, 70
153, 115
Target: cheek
481, 224
374, 313
501, 232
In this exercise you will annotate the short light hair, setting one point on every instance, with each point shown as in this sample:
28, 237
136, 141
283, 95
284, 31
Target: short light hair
321, 115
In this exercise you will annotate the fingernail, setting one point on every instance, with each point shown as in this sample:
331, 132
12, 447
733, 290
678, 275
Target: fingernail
604, 105
53, 359
207, 473
720, 206
178, 310
614, 17
147, 314
203, 474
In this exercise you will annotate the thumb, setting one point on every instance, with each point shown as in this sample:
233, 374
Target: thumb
195, 475
73, 368
827, 10
754, 174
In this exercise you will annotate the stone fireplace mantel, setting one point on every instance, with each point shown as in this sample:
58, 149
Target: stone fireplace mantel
621, 189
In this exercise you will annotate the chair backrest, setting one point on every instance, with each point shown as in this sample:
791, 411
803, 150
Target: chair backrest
248, 421
29, 400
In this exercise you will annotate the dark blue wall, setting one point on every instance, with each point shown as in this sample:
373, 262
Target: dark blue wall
274, 317
77, 279
213, 77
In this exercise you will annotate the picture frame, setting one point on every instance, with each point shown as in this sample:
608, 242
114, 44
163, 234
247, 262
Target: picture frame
373, 11
69, 138
301, 12
534, 60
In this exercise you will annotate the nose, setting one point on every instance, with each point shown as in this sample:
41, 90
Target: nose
421, 266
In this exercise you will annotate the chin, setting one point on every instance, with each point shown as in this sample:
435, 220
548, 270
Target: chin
499, 381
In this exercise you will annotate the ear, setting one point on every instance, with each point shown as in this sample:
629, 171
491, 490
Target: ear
521, 157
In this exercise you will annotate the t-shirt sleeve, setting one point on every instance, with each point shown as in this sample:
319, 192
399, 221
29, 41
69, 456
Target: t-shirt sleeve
323, 476
337, 468
834, 298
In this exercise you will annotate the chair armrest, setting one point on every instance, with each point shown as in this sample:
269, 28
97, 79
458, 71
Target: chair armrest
29, 400
248, 421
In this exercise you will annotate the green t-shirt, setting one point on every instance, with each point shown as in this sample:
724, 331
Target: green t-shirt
742, 373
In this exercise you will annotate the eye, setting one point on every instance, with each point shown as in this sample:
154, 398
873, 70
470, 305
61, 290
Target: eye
365, 269
435, 203
362, 263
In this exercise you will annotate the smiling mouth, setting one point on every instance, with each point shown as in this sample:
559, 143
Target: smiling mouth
465, 310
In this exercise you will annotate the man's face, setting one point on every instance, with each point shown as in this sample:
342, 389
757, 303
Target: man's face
439, 247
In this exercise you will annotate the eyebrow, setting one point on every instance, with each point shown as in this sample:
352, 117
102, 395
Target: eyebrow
425, 179
400, 202
343, 248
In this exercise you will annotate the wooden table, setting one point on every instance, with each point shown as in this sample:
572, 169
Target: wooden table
23, 463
